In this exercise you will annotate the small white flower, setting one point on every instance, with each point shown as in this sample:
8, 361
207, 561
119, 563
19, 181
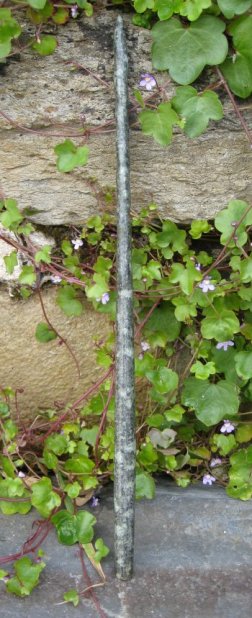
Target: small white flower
145, 346
198, 266
224, 345
208, 479
215, 462
21, 474
77, 243
227, 427
56, 279
206, 285
74, 11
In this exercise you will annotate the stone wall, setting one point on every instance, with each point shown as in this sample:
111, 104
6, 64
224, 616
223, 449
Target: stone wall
43, 99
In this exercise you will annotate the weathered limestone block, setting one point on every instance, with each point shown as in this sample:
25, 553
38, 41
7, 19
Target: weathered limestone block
47, 372
189, 179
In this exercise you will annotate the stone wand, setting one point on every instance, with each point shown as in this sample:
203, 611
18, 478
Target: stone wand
125, 449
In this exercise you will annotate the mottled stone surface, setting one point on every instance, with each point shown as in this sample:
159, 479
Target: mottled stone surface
191, 178
47, 372
193, 559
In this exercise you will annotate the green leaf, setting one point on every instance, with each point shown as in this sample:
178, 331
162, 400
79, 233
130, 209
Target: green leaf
57, 443
65, 524
61, 16
79, 464
99, 288
141, 6
11, 488
198, 226
244, 433
243, 365
166, 8
11, 217
4, 409
227, 220
163, 320
84, 526
171, 236
73, 528
44, 499
10, 262
44, 333
147, 457
240, 475
37, 4
27, 576
50, 460
46, 46
101, 550
66, 299
192, 9
70, 156
43, 255
71, 596
197, 109
66, 247
229, 8
73, 489
220, 323
145, 486
211, 402
185, 276
202, 372
89, 435
163, 379
238, 69
10, 429
27, 276
159, 123
174, 414
224, 444
185, 309
9, 29
185, 51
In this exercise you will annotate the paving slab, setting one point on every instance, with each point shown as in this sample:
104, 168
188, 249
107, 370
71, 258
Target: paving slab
193, 559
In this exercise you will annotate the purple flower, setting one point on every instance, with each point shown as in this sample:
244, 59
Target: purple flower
206, 285
94, 502
56, 279
77, 243
74, 11
105, 298
227, 427
145, 346
147, 81
224, 345
208, 479
215, 462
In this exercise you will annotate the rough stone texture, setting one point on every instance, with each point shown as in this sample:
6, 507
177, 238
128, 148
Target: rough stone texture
191, 178
192, 560
47, 372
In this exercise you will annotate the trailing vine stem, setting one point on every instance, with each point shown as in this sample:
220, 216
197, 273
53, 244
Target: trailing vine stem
235, 106
61, 339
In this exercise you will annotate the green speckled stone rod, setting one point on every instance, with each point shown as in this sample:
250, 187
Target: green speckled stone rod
124, 488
